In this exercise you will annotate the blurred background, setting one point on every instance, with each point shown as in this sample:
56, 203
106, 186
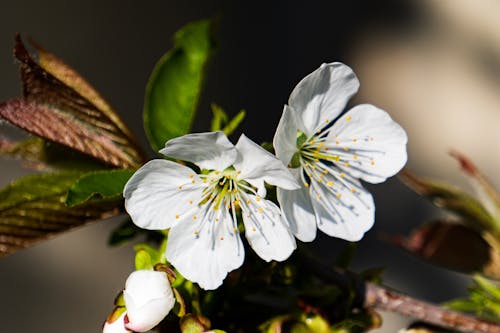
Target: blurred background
433, 65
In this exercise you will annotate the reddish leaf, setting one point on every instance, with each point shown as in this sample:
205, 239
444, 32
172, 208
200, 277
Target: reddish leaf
62, 107
454, 246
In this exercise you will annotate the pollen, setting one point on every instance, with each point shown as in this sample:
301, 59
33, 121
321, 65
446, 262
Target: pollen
194, 217
191, 176
306, 184
354, 140
204, 181
348, 118
216, 219
196, 232
253, 229
346, 164
354, 157
190, 202
177, 216
339, 195
318, 197
180, 187
346, 149
238, 172
353, 190
257, 198
260, 210
372, 162
311, 142
330, 183
192, 182
248, 201
327, 121
342, 175
337, 142
222, 238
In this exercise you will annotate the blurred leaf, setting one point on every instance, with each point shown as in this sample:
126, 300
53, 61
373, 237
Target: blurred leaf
174, 88
103, 184
486, 193
454, 246
143, 260
43, 155
55, 111
192, 323
124, 233
33, 209
447, 196
345, 257
483, 301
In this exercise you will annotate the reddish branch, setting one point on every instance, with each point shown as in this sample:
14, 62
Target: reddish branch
384, 299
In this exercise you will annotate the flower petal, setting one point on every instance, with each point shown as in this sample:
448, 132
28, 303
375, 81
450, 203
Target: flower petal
298, 210
148, 298
266, 230
285, 138
258, 165
322, 95
160, 193
205, 251
344, 209
371, 145
211, 150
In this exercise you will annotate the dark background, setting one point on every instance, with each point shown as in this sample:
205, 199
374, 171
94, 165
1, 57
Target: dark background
412, 57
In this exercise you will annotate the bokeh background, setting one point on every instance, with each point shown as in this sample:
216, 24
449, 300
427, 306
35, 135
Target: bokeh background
434, 65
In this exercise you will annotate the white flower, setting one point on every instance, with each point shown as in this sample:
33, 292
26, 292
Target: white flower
328, 154
117, 326
200, 209
148, 298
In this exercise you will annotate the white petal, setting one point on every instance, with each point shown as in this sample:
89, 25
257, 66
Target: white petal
258, 165
266, 230
160, 193
205, 251
285, 138
298, 210
118, 326
344, 210
378, 142
211, 150
148, 298
322, 95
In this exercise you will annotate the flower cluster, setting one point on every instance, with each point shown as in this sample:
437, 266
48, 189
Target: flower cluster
321, 156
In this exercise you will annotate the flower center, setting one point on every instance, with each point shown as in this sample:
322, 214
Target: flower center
310, 150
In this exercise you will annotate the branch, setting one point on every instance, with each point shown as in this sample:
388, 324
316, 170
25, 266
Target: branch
384, 299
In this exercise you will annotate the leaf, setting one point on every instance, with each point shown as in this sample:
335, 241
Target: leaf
143, 260
57, 112
174, 88
454, 246
33, 209
39, 154
103, 184
486, 193
483, 301
446, 196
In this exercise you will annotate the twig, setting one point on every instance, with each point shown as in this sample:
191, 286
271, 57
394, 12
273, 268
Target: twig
384, 299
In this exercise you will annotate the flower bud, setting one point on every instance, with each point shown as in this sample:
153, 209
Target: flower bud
115, 326
148, 299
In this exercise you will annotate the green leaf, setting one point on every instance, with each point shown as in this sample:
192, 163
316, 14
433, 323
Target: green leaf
174, 88
155, 255
33, 208
143, 260
234, 123
102, 184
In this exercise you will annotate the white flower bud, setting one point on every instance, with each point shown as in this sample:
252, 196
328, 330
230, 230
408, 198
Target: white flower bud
117, 326
148, 299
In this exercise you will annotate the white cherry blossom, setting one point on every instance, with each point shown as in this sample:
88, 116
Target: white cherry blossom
329, 153
201, 209
148, 298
